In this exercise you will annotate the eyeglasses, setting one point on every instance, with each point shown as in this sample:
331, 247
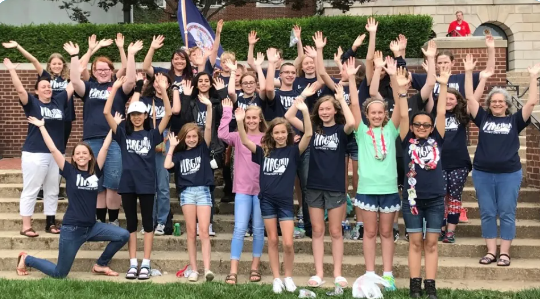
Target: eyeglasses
102, 70
248, 83
418, 125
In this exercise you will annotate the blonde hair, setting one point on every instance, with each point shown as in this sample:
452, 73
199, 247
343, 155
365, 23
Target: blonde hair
65, 70
370, 101
228, 55
182, 146
262, 125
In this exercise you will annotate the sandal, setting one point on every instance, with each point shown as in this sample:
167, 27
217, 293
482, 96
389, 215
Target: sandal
342, 281
502, 262
255, 273
21, 271
318, 281
108, 272
53, 230
231, 277
144, 275
486, 260
25, 233
132, 273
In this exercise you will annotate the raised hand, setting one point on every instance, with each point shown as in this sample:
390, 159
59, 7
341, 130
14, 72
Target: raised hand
227, 103
252, 37
485, 74
36, 122
469, 63
260, 59
157, 42
119, 40
358, 41
371, 25
425, 65
239, 114
11, 44
173, 140
9, 65
402, 42
297, 31
310, 52
337, 56
232, 66
161, 80
72, 49
401, 77
300, 105
186, 87
204, 100
394, 46
219, 26
490, 42
219, 84
105, 43
431, 49
534, 70
118, 118
135, 47
140, 76
444, 75
378, 59
319, 40
391, 66
308, 91
118, 83
272, 55
339, 95
92, 42
351, 68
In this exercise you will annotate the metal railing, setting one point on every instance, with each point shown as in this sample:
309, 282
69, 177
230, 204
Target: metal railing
516, 100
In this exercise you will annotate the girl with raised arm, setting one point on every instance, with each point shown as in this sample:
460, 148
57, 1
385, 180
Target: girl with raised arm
278, 157
189, 159
38, 167
333, 121
424, 185
497, 172
79, 223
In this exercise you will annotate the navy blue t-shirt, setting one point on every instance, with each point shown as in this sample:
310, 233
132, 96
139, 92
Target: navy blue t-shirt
327, 91
53, 114
82, 190
280, 104
177, 79
192, 167
201, 115
498, 142
276, 73
243, 103
58, 84
138, 160
327, 159
454, 153
300, 83
277, 172
159, 106
226, 80
95, 96
430, 184
456, 81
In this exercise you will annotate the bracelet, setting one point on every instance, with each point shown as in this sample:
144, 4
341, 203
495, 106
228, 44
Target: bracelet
75, 55
169, 154
402, 95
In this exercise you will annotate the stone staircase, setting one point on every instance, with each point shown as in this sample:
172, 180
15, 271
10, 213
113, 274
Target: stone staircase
522, 80
458, 263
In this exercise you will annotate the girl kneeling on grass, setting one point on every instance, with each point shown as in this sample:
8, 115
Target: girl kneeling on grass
333, 122
424, 186
138, 180
278, 157
190, 162
79, 224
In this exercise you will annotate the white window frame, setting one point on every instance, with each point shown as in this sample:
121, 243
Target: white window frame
159, 3
279, 3
217, 5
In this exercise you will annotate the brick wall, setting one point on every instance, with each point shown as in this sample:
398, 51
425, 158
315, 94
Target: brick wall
533, 156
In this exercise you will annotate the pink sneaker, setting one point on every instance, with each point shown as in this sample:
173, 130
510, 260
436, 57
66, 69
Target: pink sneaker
463, 216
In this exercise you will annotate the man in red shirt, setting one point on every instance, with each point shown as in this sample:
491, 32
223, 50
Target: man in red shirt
459, 27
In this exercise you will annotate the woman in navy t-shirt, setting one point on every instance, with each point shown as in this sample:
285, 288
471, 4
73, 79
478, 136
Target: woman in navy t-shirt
279, 157
189, 159
79, 224
497, 172
38, 167
94, 94
423, 188
138, 142
326, 190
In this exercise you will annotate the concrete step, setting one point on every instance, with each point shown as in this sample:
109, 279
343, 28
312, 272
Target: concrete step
171, 261
464, 247
300, 281
225, 224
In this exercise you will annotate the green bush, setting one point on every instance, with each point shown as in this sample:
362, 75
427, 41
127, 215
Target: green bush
42, 40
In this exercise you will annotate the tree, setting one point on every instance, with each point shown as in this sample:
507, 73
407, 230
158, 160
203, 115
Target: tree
208, 8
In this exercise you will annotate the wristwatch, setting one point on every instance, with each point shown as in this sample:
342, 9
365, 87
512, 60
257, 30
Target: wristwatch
403, 95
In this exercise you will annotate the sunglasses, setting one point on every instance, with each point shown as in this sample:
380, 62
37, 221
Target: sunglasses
425, 126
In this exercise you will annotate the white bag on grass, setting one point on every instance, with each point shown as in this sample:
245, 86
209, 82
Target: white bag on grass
368, 286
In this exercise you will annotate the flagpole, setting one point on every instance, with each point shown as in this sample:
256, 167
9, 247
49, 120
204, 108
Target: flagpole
183, 3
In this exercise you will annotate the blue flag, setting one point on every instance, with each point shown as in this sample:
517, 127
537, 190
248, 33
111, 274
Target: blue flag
198, 30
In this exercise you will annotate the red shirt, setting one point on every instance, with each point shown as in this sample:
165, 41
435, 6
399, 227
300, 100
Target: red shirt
456, 29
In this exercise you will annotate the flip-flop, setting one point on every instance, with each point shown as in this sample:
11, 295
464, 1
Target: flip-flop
51, 228
339, 280
21, 271
108, 272
25, 233
316, 279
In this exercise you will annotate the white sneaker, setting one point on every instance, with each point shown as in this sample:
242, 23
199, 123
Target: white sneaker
115, 223
278, 286
142, 231
211, 231
160, 230
289, 284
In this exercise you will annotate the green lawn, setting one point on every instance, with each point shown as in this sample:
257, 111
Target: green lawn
49, 288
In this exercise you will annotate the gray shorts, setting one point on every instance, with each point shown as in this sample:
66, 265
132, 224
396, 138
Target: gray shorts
323, 199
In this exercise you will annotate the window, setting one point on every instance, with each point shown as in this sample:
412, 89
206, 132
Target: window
271, 3
159, 3
217, 3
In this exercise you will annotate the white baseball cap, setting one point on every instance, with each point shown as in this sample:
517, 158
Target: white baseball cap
137, 107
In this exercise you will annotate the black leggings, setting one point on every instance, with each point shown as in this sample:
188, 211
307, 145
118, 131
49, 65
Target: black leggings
67, 132
146, 201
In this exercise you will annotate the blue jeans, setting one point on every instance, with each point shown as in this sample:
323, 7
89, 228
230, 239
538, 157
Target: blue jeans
162, 202
430, 210
302, 172
72, 238
112, 169
497, 195
246, 207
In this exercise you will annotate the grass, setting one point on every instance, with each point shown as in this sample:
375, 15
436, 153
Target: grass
57, 289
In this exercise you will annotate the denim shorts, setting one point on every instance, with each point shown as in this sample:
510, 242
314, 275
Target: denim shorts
384, 203
199, 196
282, 210
432, 210
112, 169
352, 149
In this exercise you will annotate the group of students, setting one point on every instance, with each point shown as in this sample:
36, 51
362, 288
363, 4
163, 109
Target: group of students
280, 123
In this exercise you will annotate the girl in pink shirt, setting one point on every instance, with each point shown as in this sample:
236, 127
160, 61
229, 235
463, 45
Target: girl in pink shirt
246, 187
